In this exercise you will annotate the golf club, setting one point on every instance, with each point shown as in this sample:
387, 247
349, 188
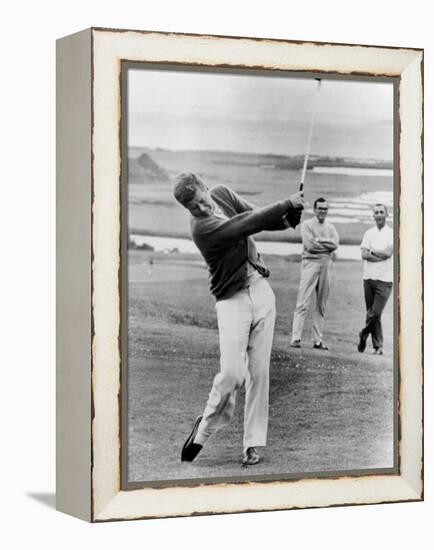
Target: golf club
309, 139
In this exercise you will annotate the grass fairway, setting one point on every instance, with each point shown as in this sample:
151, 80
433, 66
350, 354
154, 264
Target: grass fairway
329, 411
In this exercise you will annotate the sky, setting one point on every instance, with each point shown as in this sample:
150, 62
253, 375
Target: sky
192, 110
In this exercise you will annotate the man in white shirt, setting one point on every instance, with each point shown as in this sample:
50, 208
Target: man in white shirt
320, 239
377, 252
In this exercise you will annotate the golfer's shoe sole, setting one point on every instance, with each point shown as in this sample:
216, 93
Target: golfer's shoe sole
190, 450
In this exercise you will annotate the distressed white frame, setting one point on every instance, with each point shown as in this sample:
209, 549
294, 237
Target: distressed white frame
108, 49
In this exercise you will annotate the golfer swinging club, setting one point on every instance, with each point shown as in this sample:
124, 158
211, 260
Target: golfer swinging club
221, 226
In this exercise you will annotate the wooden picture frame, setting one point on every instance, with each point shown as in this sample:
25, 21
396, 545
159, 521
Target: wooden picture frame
89, 281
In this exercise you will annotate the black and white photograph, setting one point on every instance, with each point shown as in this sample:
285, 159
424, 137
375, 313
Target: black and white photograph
259, 310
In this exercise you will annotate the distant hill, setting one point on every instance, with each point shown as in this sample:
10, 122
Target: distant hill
350, 185
284, 162
144, 169
295, 162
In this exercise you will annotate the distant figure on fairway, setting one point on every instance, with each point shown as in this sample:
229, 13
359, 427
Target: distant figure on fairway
320, 239
377, 251
221, 223
150, 265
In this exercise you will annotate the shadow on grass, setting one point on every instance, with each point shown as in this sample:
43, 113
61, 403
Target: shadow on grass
48, 499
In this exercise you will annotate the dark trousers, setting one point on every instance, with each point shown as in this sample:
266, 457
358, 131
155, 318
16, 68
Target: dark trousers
376, 295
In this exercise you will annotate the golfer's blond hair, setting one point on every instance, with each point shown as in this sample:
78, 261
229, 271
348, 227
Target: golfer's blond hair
185, 187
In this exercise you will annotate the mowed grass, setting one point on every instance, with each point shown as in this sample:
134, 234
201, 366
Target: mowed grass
329, 411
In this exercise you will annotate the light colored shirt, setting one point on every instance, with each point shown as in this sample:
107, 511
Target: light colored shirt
378, 240
311, 230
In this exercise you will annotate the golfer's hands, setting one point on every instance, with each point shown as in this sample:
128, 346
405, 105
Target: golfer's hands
294, 215
297, 200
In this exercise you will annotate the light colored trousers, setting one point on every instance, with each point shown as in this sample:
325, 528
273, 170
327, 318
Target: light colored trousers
246, 326
315, 276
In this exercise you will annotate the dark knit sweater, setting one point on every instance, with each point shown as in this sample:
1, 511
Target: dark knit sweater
226, 245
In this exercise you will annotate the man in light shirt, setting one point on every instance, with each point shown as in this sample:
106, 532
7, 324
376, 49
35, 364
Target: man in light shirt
320, 239
377, 251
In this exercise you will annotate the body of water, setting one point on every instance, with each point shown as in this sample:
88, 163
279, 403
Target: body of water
353, 171
161, 244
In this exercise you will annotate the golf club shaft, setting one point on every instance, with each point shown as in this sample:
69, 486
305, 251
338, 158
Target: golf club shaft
309, 139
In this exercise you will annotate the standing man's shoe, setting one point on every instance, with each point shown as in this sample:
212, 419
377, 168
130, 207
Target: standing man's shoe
362, 342
251, 457
378, 351
190, 450
295, 344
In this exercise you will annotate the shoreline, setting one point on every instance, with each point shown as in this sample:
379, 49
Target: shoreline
292, 239
280, 248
